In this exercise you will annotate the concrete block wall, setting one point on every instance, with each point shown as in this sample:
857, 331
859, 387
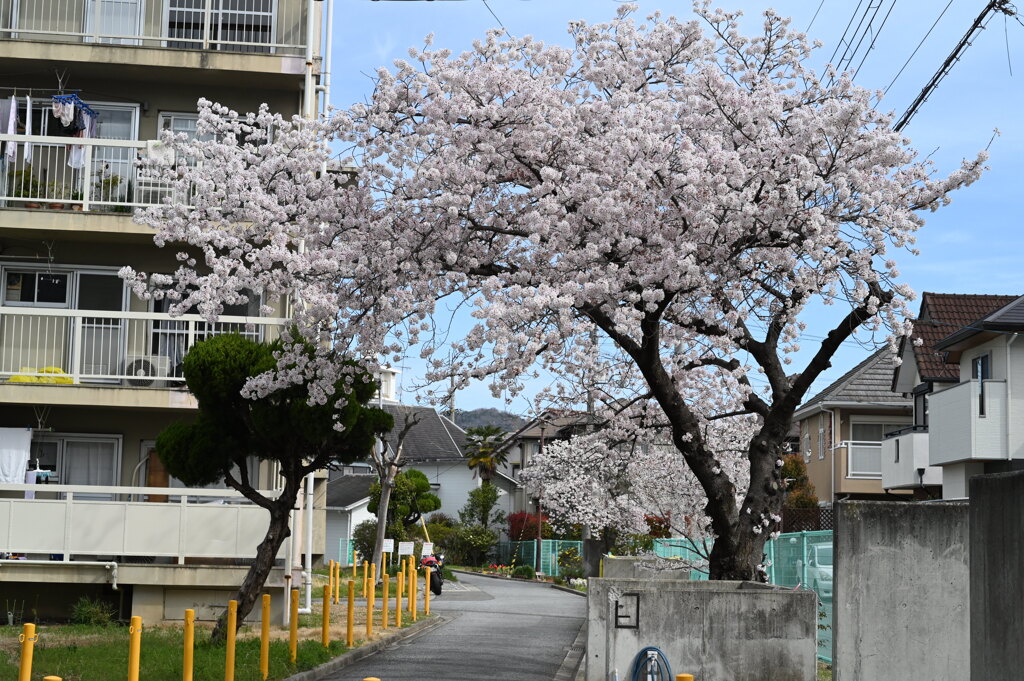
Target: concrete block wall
901, 591
997, 566
717, 631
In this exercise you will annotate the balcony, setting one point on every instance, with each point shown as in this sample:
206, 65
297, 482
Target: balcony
72, 174
968, 422
92, 520
46, 348
239, 26
863, 459
904, 457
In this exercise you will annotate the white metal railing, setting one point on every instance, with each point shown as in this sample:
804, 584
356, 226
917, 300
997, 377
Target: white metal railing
140, 349
193, 523
68, 173
268, 26
863, 459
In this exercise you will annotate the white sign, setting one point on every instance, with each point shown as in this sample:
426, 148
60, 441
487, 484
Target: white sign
389, 546
405, 548
428, 548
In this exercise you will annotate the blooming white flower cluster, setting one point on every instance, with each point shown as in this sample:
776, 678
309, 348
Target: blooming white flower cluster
645, 215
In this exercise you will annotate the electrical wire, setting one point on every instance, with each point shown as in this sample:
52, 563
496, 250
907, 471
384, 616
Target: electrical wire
906, 63
493, 14
875, 38
815, 16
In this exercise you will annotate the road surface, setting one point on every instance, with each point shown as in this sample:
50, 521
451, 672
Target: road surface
500, 630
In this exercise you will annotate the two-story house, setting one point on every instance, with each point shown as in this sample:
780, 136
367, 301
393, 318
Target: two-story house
962, 375
89, 374
843, 426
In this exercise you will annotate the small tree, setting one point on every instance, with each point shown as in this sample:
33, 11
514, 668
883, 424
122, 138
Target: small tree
479, 508
799, 489
411, 499
282, 427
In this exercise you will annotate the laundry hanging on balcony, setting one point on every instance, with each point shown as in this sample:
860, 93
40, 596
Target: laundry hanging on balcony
11, 128
15, 444
71, 117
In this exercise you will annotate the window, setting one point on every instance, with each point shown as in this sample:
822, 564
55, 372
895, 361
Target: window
821, 439
250, 22
79, 459
981, 371
807, 446
35, 288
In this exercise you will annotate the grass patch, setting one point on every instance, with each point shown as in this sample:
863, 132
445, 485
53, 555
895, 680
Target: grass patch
101, 653
824, 672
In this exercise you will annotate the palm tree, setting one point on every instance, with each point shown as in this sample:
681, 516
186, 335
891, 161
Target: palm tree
481, 449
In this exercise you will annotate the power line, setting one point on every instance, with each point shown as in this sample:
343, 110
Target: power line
814, 17
875, 38
906, 63
493, 14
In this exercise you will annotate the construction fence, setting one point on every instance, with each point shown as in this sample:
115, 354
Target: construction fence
525, 553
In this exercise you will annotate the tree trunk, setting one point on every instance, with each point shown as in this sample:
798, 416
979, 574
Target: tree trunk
254, 580
386, 485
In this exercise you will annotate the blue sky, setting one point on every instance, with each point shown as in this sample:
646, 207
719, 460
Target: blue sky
973, 245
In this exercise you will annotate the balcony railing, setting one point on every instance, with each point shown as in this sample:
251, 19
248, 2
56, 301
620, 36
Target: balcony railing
967, 422
195, 523
863, 459
138, 349
268, 26
68, 173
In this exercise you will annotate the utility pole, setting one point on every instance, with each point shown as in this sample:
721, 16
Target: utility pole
993, 6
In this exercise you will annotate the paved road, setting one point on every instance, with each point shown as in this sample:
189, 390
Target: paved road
499, 631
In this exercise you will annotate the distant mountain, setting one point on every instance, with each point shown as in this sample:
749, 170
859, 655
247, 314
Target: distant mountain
488, 417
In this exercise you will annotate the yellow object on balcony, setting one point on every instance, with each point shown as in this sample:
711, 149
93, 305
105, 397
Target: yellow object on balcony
31, 375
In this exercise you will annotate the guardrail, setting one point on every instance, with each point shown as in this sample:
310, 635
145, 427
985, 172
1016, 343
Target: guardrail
253, 26
137, 349
77, 521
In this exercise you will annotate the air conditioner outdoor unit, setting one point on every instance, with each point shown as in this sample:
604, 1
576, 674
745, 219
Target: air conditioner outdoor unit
144, 370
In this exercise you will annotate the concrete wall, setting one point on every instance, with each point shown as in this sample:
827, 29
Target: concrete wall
997, 554
901, 585
717, 631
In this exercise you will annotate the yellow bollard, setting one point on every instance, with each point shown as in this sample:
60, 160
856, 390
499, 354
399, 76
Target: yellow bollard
349, 632
426, 591
265, 638
325, 626
398, 598
134, 648
600, 569
385, 601
330, 577
337, 583
684, 677
415, 588
354, 565
371, 678
410, 583
369, 598
293, 627
366, 577
52, 678
189, 645
229, 650
373, 587
28, 642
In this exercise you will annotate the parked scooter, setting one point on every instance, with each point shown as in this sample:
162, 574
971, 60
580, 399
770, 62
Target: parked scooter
436, 564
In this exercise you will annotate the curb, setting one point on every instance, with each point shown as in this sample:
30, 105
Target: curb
569, 589
363, 652
480, 574
571, 668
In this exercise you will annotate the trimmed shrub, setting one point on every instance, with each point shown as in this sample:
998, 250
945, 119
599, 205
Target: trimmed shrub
524, 572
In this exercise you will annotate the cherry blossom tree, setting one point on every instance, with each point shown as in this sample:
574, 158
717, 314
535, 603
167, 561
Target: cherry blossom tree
660, 201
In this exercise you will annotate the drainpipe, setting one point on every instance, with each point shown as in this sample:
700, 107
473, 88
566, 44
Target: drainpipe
309, 92
307, 575
325, 75
1009, 395
832, 452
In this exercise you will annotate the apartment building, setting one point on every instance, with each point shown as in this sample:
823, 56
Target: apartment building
89, 374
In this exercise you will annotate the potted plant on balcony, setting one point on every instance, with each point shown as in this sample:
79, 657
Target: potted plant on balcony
23, 184
57, 193
106, 189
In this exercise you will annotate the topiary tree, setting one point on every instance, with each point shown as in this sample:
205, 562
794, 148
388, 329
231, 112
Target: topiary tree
411, 499
282, 427
479, 508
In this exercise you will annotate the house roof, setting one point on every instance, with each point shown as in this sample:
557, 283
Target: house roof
551, 424
867, 383
345, 490
433, 438
1009, 317
944, 314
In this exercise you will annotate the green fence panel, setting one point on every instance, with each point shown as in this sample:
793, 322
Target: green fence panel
346, 551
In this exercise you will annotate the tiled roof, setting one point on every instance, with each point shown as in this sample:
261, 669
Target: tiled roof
943, 314
433, 438
868, 382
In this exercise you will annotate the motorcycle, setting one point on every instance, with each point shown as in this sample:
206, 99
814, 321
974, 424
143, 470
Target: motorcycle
436, 564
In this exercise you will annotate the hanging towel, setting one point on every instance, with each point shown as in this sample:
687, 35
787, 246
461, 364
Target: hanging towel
30, 479
14, 450
12, 129
76, 159
28, 128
